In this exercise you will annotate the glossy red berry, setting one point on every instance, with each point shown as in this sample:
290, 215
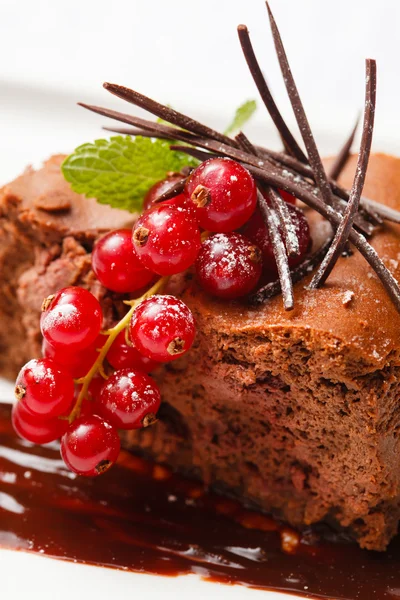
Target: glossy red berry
44, 388
228, 265
129, 399
36, 429
162, 328
76, 362
71, 318
224, 193
90, 446
257, 232
166, 239
123, 355
116, 264
95, 387
159, 188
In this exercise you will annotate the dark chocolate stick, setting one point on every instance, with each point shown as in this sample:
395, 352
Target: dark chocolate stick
343, 231
272, 221
344, 154
357, 239
289, 141
166, 113
301, 117
176, 189
278, 204
297, 274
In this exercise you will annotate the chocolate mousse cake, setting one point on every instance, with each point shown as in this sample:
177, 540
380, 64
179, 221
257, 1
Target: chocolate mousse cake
287, 401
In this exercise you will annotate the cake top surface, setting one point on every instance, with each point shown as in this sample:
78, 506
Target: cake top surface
352, 307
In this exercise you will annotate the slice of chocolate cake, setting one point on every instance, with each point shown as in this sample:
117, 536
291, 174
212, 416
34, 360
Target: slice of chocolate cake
294, 412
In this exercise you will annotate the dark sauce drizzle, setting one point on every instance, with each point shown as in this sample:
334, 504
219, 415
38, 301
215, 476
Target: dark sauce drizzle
142, 518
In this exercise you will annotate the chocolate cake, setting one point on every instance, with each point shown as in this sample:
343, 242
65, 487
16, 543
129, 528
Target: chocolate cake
293, 412
288, 399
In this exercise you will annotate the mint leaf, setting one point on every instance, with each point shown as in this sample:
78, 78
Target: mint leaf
242, 115
120, 171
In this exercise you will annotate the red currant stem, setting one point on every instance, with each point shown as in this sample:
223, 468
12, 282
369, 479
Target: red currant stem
205, 235
112, 334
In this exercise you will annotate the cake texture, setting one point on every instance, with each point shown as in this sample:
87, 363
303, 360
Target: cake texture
293, 412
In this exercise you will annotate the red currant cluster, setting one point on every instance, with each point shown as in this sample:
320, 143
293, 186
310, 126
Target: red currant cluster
219, 197
67, 393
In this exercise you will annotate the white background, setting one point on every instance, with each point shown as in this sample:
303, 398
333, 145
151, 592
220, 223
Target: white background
54, 53
185, 53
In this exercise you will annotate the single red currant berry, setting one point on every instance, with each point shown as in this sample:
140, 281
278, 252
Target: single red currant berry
162, 328
44, 388
257, 232
228, 265
90, 446
71, 318
287, 197
77, 363
34, 428
123, 354
167, 239
224, 193
129, 399
159, 188
116, 264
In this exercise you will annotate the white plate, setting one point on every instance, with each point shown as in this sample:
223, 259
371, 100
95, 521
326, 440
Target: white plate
61, 56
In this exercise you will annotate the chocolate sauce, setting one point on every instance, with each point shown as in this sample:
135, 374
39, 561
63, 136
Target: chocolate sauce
140, 517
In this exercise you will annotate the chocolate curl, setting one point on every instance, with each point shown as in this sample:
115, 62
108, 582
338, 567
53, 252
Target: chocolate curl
166, 113
297, 274
271, 219
278, 204
343, 231
301, 117
344, 154
288, 140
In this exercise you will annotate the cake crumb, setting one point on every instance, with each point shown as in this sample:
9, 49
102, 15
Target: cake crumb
347, 298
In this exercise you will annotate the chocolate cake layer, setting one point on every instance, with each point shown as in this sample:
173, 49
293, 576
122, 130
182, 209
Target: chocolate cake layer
295, 412
46, 231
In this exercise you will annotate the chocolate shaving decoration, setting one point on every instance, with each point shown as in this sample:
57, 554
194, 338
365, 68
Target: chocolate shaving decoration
346, 224
276, 171
176, 189
289, 141
165, 112
276, 216
299, 112
297, 274
344, 154
272, 221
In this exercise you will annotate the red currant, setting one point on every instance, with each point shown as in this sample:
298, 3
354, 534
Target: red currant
116, 264
77, 363
224, 193
167, 239
162, 328
90, 446
257, 232
129, 399
228, 265
44, 388
36, 429
123, 355
71, 318
159, 188
287, 197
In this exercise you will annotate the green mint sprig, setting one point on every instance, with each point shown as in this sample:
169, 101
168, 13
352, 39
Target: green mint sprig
242, 116
120, 171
